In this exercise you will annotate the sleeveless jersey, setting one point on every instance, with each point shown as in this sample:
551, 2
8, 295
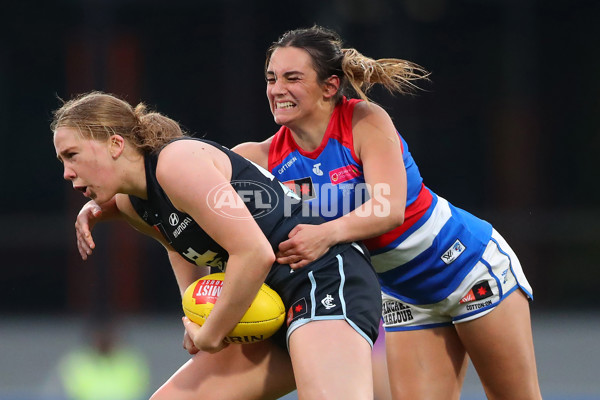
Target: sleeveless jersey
423, 260
263, 195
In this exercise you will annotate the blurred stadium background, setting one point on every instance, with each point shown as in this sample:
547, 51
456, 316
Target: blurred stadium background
509, 129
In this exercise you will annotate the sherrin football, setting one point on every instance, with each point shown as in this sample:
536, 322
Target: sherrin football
262, 320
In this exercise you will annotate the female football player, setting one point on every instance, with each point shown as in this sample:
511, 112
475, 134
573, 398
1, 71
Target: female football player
193, 197
451, 284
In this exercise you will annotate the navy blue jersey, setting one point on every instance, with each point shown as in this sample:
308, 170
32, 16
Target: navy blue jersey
340, 285
273, 206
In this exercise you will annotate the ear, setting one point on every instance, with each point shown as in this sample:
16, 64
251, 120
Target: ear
116, 145
331, 86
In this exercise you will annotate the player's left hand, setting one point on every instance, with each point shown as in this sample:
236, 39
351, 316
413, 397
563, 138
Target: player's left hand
202, 343
306, 243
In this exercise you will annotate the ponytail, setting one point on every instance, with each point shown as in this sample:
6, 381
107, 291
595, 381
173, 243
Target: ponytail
354, 70
396, 75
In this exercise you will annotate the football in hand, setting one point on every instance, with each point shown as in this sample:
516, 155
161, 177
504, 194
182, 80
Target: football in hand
264, 317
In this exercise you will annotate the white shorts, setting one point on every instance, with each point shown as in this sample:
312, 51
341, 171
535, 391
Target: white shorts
496, 275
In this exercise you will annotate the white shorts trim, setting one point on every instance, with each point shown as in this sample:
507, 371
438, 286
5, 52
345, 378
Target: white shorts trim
498, 272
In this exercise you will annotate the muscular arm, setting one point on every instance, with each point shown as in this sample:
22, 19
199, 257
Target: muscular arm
250, 254
378, 146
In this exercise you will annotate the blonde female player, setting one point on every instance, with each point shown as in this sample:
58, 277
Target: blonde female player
163, 183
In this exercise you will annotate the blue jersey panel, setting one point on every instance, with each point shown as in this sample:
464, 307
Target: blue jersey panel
413, 176
332, 184
429, 278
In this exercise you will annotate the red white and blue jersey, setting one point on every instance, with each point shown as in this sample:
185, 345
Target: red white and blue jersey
423, 260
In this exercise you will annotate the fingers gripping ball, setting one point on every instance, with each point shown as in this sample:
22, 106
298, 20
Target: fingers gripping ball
264, 317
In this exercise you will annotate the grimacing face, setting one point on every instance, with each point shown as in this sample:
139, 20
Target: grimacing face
87, 163
292, 87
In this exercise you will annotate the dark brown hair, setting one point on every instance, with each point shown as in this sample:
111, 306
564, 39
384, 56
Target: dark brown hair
354, 69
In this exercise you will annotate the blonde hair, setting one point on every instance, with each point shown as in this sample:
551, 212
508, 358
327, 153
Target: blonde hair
396, 75
355, 71
98, 116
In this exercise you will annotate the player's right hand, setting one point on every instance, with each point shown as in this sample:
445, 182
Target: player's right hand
86, 219
201, 341
188, 344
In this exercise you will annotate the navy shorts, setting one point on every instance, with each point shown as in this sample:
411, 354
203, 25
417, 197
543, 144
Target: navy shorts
341, 285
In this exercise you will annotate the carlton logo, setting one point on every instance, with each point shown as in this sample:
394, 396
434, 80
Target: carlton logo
261, 199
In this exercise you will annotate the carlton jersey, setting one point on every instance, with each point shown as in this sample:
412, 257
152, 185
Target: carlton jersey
264, 196
423, 260
339, 285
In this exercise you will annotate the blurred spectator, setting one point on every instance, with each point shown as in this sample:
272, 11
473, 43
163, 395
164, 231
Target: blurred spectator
104, 368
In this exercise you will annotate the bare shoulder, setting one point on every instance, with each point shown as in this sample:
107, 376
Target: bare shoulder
124, 205
187, 154
185, 148
257, 152
369, 112
371, 119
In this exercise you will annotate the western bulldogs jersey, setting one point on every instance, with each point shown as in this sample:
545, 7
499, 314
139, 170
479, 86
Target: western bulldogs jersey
264, 196
421, 261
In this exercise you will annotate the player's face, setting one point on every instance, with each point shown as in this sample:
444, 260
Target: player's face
292, 87
87, 163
